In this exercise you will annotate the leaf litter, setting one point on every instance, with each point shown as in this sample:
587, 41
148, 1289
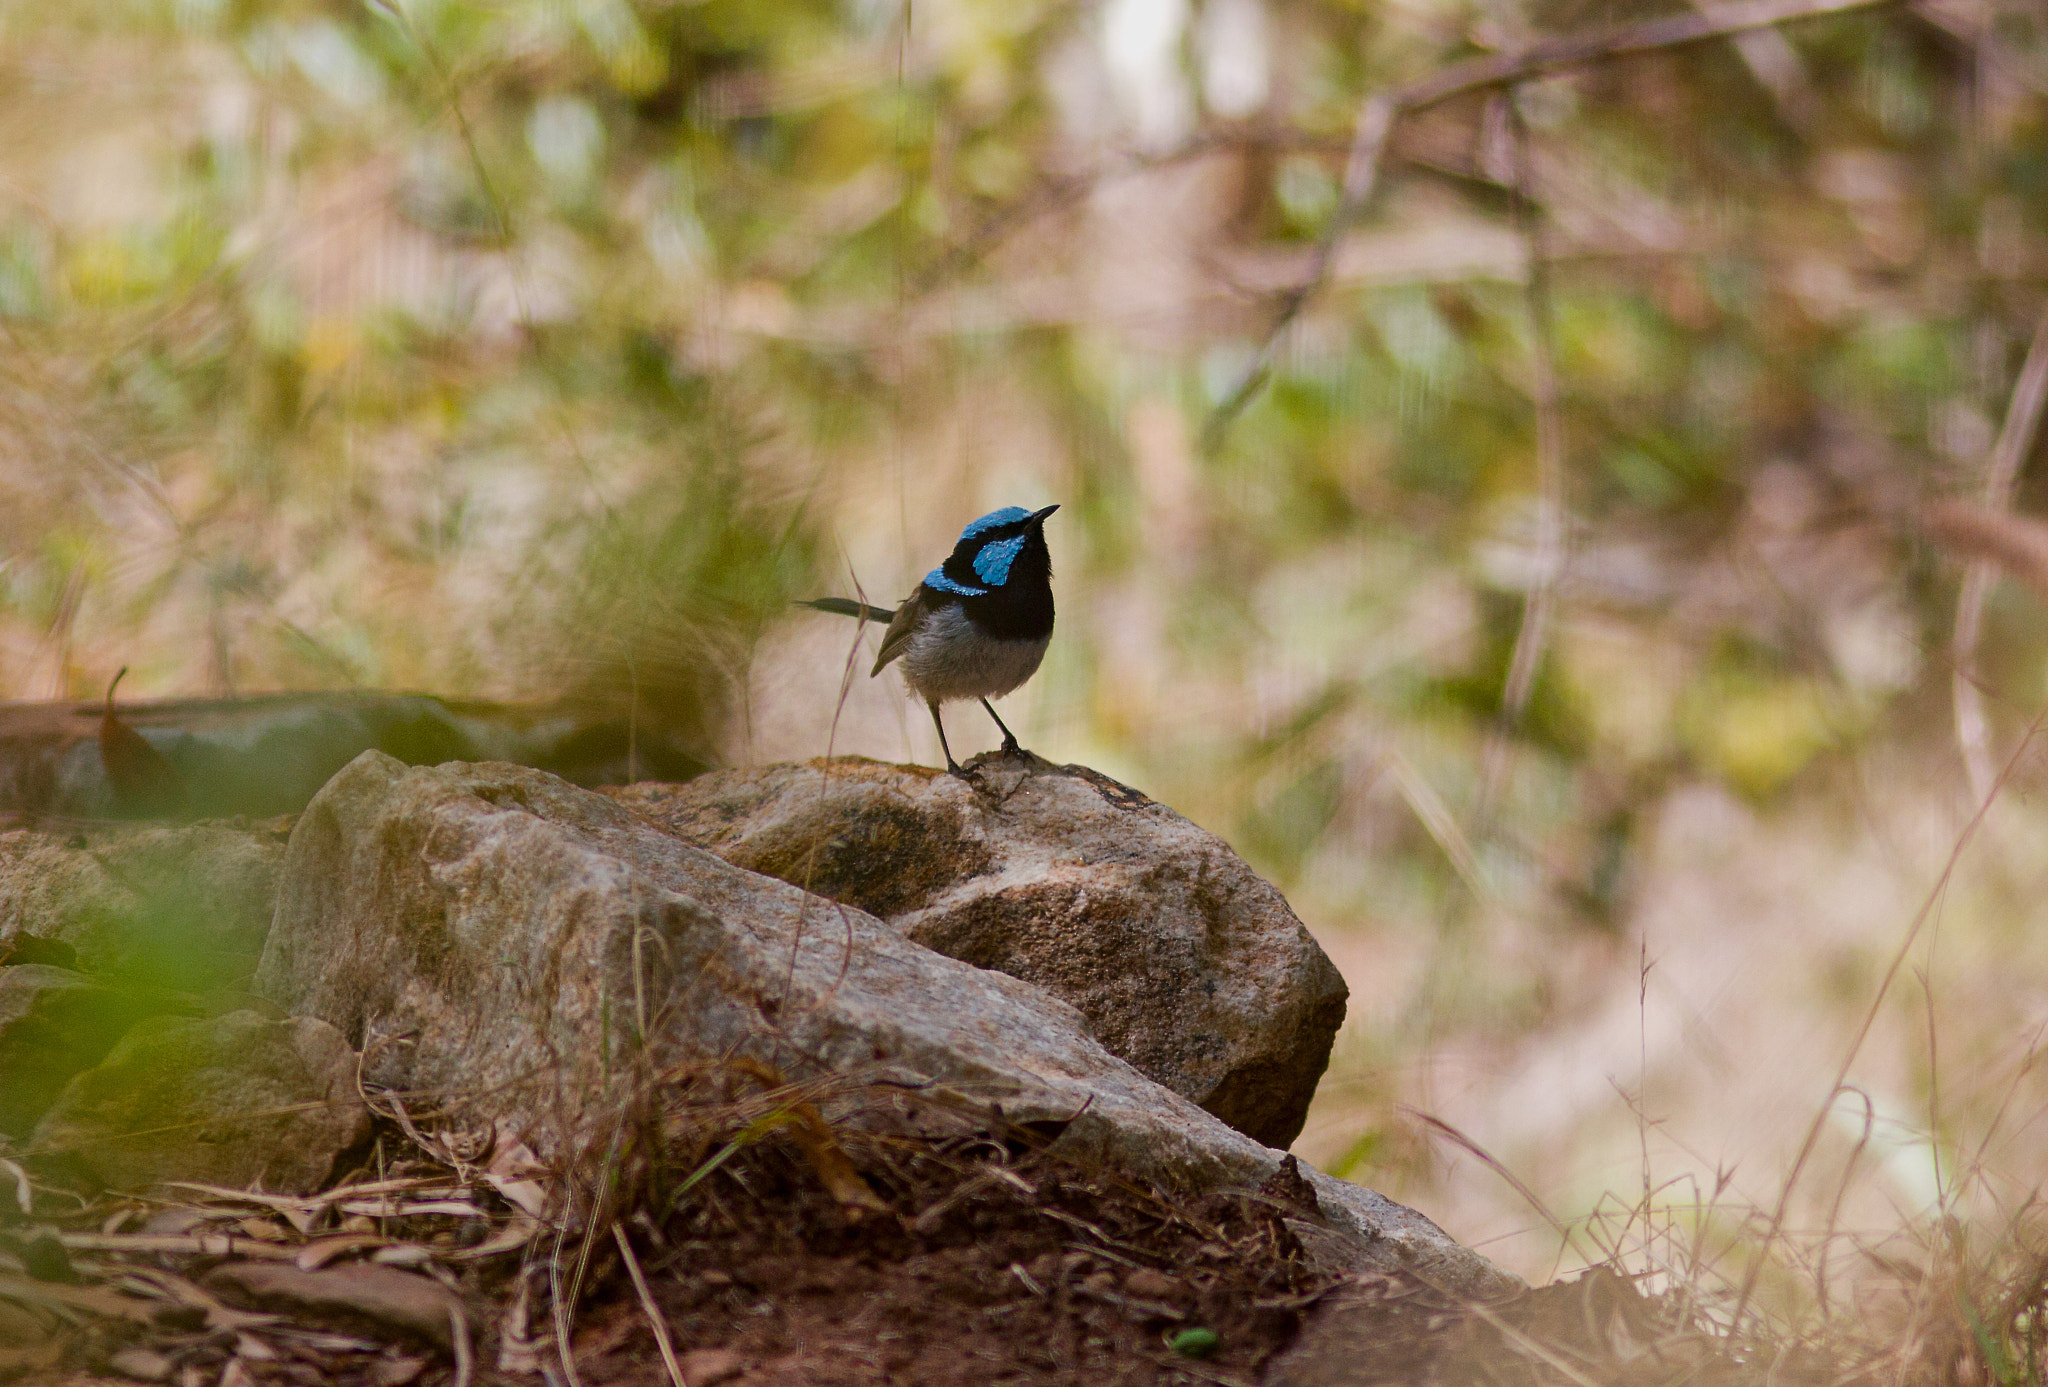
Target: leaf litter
744, 1229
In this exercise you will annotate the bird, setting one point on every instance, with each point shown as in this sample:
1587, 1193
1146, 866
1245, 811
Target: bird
978, 624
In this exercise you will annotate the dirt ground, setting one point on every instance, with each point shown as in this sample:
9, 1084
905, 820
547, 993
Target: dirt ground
1019, 1271
777, 1252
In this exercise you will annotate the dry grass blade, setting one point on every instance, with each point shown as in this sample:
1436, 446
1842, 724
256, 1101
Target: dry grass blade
1494, 1164
1530, 1346
1813, 1132
823, 1151
24, 1191
655, 1320
194, 1244
519, 1233
315, 1255
465, 1354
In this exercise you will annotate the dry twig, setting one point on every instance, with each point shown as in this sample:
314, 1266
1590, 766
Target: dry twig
2015, 441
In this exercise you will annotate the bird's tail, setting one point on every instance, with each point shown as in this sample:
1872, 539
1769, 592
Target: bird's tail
841, 606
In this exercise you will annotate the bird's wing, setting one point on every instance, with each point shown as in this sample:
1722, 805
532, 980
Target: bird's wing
902, 627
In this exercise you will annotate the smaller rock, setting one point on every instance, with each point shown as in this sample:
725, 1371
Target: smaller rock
234, 1100
362, 1296
155, 907
53, 1023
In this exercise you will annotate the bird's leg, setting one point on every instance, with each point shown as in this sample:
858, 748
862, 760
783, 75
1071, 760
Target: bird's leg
951, 764
1010, 747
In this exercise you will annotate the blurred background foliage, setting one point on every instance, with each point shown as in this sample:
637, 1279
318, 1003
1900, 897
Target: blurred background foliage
546, 347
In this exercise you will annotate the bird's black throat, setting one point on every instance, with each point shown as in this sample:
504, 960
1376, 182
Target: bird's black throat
1020, 609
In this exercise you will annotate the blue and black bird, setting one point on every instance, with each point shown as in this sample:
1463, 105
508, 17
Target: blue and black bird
978, 624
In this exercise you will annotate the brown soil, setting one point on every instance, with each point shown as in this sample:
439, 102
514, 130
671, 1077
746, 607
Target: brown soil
782, 1251
989, 1271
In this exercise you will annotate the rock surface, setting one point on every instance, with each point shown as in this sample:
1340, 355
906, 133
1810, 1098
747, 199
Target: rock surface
165, 907
53, 1023
1184, 961
541, 948
236, 1100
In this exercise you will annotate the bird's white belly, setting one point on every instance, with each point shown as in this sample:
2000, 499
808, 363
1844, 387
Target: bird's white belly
948, 659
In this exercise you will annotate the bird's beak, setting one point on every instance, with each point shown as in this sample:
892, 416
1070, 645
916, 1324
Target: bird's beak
1038, 517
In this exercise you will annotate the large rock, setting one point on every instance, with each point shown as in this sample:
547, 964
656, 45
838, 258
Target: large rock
53, 1023
541, 950
159, 907
1185, 962
236, 1100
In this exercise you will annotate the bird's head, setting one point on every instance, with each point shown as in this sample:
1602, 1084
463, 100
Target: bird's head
1002, 549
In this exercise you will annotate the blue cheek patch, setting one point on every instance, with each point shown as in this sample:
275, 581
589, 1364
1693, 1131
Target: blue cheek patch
937, 579
994, 560
1008, 515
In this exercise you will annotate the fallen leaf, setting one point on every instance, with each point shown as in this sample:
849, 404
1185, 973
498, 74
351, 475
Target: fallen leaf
396, 1372
814, 1136
254, 1349
142, 1364
348, 1295
513, 1236
179, 1291
94, 1300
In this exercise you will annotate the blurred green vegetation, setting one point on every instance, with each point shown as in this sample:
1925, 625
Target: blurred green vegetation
514, 349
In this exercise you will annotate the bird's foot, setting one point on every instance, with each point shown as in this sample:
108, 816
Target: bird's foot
1010, 748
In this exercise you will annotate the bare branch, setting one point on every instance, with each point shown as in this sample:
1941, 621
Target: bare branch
2015, 441
1621, 40
1382, 112
1550, 494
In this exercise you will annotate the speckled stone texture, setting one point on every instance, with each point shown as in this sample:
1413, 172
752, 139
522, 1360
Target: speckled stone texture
237, 1100
163, 906
1185, 962
537, 946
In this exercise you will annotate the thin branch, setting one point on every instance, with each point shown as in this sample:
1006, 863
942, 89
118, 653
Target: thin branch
1550, 493
2015, 441
1361, 173
1621, 40
1382, 111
